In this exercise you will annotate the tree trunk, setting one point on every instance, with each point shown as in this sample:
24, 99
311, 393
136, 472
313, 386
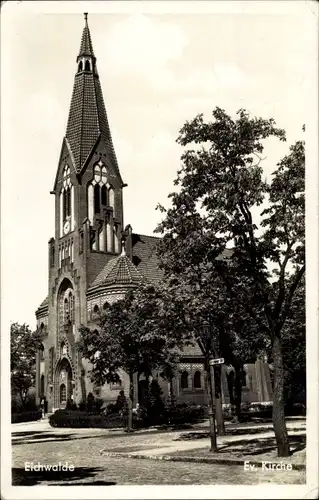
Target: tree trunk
130, 404
278, 415
171, 388
218, 402
237, 391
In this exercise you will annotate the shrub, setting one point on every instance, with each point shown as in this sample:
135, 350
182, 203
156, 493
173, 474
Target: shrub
295, 409
184, 413
26, 416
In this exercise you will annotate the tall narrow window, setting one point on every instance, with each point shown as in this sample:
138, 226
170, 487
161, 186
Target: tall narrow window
62, 394
97, 190
87, 66
197, 380
96, 199
80, 66
66, 208
184, 380
71, 306
66, 311
103, 195
42, 385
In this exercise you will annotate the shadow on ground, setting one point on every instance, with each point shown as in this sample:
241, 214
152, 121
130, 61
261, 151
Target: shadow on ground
189, 436
255, 446
21, 477
45, 437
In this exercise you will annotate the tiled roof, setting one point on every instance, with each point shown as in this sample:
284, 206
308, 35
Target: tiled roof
118, 271
145, 258
87, 119
43, 306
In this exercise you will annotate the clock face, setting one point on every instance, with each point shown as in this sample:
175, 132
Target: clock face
66, 227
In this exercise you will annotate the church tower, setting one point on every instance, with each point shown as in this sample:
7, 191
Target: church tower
88, 229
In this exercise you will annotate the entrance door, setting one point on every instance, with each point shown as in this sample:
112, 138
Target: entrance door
63, 398
63, 387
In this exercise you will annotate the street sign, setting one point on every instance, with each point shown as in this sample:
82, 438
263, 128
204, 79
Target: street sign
217, 361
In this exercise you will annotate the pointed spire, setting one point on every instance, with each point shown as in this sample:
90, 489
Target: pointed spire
86, 48
88, 122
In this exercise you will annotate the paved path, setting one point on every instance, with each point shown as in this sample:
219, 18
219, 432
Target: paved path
39, 443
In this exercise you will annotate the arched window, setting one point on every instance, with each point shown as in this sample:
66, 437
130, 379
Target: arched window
62, 394
87, 66
197, 380
105, 306
80, 66
66, 194
96, 311
184, 380
99, 184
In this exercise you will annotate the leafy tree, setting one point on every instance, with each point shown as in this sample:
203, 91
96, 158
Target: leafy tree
134, 336
294, 348
24, 344
220, 190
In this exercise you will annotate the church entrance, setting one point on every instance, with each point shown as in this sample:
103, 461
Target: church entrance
63, 384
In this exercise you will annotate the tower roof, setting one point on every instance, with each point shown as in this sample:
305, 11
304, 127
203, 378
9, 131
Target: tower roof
119, 271
87, 121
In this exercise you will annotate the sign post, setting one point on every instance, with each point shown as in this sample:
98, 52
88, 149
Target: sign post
217, 361
212, 411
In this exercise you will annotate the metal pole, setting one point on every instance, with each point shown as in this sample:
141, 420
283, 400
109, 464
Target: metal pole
211, 411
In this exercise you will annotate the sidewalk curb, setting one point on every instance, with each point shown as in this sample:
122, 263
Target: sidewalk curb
209, 460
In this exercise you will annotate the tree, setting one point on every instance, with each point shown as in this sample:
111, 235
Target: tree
24, 344
220, 190
134, 336
294, 348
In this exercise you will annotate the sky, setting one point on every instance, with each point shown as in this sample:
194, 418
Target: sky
159, 64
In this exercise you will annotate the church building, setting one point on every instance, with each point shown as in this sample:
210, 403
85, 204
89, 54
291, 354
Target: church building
94, 259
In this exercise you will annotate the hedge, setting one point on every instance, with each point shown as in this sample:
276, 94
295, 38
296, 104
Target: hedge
26, 416
82, 419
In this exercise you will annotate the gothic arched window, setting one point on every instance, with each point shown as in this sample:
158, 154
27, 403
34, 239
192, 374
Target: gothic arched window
66, 194
184, 380
80, 66
197, 380
96, 312
87, 66
99, 184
